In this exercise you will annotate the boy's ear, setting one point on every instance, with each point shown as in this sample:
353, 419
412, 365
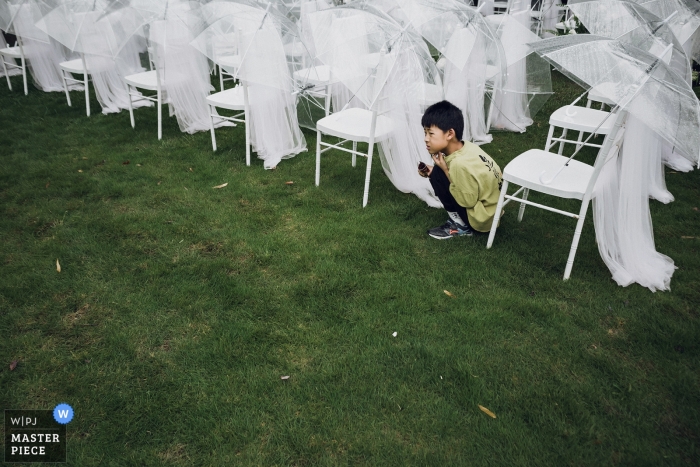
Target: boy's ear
450, 134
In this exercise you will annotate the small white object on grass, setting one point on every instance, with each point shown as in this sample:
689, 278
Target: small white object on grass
284, 378
395, 334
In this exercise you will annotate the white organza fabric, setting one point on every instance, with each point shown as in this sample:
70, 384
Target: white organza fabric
107, 69
401, 153
275, 131
466, 88
257, 37
510, 107
41, 52
623, 225
183, 73
388, 69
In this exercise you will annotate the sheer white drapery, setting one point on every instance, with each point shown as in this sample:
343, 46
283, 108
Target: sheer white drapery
528, 82
662, 109
41, 52
623, 225
386, 68
260, 35
183, 72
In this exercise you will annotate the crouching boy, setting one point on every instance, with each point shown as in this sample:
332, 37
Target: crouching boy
465, 179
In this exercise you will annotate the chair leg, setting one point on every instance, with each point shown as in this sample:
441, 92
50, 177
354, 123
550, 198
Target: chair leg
370, 152
577, 237
247, 138
318, 157
561, 144
131, 107
221, 78
354, 156
87, 94
211, 127
521, 211
160, 115
497, 216
65, 87
4, 69
24, 74
550, 134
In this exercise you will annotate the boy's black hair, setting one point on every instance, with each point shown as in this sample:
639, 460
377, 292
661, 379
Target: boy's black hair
444, 115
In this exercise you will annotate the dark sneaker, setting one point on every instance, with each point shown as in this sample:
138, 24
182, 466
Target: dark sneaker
450, 229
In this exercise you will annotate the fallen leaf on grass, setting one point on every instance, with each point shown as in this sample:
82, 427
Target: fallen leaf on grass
487, 411
84, 158
695, 209
126, 162
220, 186
58, 266
395, 334
80, 171
684, 236
284, 378
13, 365
449, 294
289, 183
159, 183
47, 185
191, 169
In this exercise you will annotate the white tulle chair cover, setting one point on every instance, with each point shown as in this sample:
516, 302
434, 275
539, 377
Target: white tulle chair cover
466, 87
511, 110
387, 68
183, 73
401, 102
275, 131
623, 225
108, 69
41, 52
258, 35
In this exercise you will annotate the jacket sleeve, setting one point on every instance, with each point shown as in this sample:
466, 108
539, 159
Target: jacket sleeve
464, 187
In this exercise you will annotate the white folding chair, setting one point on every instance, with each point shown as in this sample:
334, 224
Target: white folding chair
556, 175
235, 99
8, 56
354, 125
76, 67
150, 81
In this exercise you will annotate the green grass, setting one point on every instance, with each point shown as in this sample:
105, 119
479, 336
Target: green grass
179, 307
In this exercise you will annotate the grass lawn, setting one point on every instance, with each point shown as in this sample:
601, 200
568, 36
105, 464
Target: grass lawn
179, 307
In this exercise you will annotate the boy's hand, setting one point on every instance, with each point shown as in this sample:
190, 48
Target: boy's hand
439, 160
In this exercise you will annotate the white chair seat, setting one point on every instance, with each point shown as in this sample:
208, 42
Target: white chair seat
11, 52
230, 62
73, 66
317, 75
582, 119
526, 170
597, 94
355, 124
146, 80
231, 99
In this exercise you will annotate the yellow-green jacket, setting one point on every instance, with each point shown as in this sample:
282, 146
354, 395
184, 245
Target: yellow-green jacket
476, 184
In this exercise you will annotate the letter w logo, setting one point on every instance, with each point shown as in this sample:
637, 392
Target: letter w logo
62, 414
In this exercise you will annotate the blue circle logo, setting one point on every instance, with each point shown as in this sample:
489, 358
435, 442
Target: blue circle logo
63, 413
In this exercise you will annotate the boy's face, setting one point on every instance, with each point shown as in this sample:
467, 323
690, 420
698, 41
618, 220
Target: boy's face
437, 140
